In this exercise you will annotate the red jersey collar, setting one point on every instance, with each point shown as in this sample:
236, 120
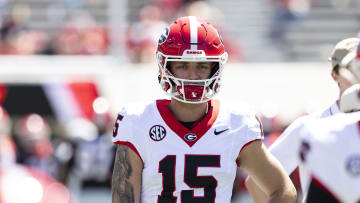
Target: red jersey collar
199, 130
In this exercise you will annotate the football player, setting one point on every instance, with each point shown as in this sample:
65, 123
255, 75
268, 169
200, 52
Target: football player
187, 149
330, 151
286, 147
335, 178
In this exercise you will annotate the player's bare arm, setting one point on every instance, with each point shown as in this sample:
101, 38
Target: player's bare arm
267, 173
256, 193
126, 178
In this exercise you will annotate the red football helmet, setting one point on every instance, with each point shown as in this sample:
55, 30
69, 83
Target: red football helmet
190, 39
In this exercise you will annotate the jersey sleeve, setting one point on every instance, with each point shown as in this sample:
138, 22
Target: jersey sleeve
254, 130
250, 130
123, 132
122, 128
287, 146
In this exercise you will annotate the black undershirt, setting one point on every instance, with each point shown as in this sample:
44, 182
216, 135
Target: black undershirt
188, 125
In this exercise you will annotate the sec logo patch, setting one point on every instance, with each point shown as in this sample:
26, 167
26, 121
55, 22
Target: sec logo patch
353, 165
157, 133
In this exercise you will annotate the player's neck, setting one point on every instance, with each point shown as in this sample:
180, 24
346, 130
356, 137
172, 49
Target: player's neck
188, 112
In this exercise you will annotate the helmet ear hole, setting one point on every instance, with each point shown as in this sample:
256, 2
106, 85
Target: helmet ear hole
172, 82
214, 84
168, 64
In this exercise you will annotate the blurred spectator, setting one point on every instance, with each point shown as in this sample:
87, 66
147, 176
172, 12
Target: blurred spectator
94, 151
143, 35
169, 8
286, 14
12, 24
9, 28
74, 4
34, 147
81, 36
95, 41
28, 42
7, 152
7, 145
15, 38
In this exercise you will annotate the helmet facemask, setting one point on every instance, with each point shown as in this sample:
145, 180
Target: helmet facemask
190, 91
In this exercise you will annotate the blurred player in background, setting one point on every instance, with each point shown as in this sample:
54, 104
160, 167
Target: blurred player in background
186, 149
331, 153
31, 177
286, 147
93, 151
34, 146
330, 149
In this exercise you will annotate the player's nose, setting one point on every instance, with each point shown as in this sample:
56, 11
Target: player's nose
193, 73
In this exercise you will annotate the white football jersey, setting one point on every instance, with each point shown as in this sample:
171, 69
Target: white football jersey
182, 165
286, 147
331, 152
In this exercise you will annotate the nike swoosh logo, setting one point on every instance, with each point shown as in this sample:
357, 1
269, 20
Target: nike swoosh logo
219, 132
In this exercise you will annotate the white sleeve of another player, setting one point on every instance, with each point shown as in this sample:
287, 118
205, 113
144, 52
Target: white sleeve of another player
287, 146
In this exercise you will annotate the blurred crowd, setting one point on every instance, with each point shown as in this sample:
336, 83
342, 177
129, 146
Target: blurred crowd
79, 36
51, 28
74, 156
142, 36
77, 32
287, 13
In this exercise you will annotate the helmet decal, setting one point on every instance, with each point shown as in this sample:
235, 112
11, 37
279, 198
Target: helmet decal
164, 36
193, 32
221, 40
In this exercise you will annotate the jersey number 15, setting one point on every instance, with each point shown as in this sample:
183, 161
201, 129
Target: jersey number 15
192, 162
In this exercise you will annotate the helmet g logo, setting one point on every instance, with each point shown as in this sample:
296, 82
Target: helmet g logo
157, 132
164, 36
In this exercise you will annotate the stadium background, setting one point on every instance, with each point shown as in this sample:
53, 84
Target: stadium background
66, 67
